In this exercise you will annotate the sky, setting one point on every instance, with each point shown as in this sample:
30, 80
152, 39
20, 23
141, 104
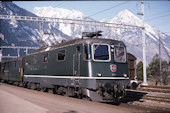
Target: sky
156, 13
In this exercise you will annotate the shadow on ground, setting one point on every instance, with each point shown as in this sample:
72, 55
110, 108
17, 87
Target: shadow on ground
132, 96
71, 111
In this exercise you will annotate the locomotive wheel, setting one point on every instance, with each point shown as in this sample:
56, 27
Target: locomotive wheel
55, 89
116, 101
33, 86
25, 85
69, 92
86, 98
11, 82
50, 90
134, 85
16, 83
21, 84
29, 85
60, 91
38, 87
43, 89
65, 92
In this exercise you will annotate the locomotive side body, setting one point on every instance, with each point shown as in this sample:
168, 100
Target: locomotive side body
84, 67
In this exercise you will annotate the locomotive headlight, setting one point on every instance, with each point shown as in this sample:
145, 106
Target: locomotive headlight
125, 75
99, 74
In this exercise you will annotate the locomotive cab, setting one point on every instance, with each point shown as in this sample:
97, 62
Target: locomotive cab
107, 60
107, 66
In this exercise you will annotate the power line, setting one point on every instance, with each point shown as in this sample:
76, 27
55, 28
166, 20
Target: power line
108, 9
157, 17
166, 32
162, 23
60, 4
156, 14
153, 6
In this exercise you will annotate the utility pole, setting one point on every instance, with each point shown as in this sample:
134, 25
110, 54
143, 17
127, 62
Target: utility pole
144, 45
160, 63
72, 28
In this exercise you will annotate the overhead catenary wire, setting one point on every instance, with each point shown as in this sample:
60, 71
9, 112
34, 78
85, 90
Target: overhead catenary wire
156, 14
167, 32
153, 6
162, 23
107, 9
157, 17
60, 4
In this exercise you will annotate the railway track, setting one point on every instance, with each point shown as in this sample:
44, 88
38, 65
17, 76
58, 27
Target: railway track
149, 98
163, 89
144, 99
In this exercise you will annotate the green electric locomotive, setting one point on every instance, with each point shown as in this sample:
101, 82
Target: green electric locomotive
91, 68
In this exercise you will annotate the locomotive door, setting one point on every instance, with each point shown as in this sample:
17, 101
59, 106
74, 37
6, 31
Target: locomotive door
76, 67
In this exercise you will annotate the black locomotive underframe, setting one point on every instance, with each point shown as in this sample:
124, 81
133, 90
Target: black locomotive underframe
96, 90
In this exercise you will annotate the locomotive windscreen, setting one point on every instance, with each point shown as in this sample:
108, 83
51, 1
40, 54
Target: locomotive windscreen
101, 52
119, 54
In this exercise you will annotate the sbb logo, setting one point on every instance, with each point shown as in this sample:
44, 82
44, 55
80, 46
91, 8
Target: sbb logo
113, 68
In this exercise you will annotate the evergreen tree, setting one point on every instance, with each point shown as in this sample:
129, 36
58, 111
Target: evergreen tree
139, 70
154, 66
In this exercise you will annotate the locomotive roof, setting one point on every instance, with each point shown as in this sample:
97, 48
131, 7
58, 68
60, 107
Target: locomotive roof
77, 41
11, 60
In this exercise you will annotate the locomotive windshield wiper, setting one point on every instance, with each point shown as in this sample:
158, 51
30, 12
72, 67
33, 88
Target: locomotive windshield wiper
95, 48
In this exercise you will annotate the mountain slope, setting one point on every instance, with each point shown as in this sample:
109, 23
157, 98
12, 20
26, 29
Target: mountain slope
25, 33
59, 13
133, 37
73, 30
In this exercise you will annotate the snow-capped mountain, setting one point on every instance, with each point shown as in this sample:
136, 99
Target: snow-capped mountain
65, 14
133, 37
12, 30
25, 33
59, 13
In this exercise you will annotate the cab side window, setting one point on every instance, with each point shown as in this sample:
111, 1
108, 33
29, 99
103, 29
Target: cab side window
61, 55
45, 58
34, 60
87, 52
